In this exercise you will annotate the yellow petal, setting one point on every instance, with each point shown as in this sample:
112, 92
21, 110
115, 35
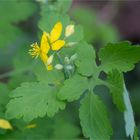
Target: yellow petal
5, 124
56, 32
58, 45
44, 43
44, 57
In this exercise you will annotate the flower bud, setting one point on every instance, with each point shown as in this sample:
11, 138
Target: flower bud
67, 60
69, 67
59, 66
50, 59
70, 44
69, 30
73, 57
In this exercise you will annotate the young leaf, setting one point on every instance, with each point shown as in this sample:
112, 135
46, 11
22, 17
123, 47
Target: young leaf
94, 119
128, 115
121, 56
115, 80
32, 100
73, 88
86, 56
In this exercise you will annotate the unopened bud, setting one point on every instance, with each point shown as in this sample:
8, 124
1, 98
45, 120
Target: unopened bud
67, 60
73, 57
70, 44
69, 67
69, 30
50, 59
59, 66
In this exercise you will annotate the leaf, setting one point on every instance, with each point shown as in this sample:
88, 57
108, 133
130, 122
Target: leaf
121, 56
115, 80
73, 88
85, 62
94, 118
128, 115
32, 100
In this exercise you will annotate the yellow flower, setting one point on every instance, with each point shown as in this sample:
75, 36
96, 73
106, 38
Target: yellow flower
53, 37
48, 41
5, 124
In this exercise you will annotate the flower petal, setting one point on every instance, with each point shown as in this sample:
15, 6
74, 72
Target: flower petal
56, 32
44, 57
58, 45
44, 43
5, 124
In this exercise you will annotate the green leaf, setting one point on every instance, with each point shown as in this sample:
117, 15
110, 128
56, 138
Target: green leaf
94, 118
32, 100
115, 80
73, 88
128, 115
85, 62
121, 56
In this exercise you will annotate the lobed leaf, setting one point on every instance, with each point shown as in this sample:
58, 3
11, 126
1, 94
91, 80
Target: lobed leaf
32, 100
121, 56
73, 88
94, 118
85, 62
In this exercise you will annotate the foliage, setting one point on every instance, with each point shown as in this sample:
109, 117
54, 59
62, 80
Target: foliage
38, 94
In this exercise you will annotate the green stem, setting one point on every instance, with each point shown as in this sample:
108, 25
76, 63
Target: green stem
64, 69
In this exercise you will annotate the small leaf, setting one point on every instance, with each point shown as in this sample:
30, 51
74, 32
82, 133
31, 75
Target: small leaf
128, 115
121, 56
32, 100
85, 62
115, 80
94, 118
73, 88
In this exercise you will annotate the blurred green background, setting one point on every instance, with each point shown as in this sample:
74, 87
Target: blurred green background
103, 22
